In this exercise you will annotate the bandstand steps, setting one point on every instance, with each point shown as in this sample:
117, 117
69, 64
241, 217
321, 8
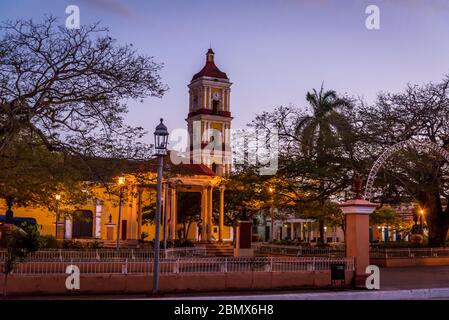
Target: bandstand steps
129, 244
224, 249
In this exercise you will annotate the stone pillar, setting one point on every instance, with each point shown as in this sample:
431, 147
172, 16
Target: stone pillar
243, 239
133, 218
98, 212
173, 230
357, 213
204, 215
221, 216
139, 213
110, 232
292, 231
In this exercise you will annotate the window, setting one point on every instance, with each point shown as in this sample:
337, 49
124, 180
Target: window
215, 106
82, 226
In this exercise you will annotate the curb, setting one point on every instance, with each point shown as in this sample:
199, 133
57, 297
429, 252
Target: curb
410, 294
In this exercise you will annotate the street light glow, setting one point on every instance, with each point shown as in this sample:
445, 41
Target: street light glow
58, 197
121, 180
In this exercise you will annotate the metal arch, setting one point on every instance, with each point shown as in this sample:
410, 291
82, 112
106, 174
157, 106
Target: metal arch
418, 145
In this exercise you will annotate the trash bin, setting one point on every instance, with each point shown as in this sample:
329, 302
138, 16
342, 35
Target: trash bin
338, 274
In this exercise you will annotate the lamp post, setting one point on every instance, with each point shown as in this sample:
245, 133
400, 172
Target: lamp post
160, 145
271, 190
121, 183
57, 197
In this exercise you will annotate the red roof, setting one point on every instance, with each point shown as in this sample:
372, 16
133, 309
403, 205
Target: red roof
181, 169
210, 69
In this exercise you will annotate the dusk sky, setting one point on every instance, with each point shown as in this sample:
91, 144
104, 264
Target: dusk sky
273, 51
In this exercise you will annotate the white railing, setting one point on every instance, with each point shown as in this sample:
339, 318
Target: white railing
187, 265
408, 252
300, 251
48, 255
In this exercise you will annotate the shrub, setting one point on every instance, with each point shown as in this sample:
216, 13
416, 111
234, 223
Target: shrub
48, 242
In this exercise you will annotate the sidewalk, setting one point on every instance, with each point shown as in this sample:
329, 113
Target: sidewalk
405, 283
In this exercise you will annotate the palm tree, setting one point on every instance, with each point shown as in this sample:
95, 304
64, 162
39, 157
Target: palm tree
320, 132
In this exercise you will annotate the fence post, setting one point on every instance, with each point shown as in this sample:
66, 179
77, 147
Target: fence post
271, 264
125, 267
409, 253
313, 264
60, 255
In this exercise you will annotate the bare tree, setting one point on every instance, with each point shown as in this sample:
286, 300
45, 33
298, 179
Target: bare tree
69, 87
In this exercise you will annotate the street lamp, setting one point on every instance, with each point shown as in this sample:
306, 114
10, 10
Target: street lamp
160, 145
121, 183
57, 197
421, 217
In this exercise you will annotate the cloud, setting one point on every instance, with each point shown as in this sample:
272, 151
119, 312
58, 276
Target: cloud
111, 6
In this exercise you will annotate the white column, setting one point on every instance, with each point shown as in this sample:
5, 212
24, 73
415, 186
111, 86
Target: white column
334, 234
68, 228
209, 213
98, 212
223, 99
205, 98
209, 100
221, 216
229, 100
204, 214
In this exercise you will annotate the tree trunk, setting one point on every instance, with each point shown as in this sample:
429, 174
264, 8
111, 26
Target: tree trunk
9, 214
437, 220
321, 227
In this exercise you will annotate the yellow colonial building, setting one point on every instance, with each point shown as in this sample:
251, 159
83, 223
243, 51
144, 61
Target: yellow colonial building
208, 123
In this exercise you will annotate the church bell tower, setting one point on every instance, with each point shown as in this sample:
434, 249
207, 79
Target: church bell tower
209, 118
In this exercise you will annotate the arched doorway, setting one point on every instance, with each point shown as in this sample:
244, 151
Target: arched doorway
189, 215
82, 226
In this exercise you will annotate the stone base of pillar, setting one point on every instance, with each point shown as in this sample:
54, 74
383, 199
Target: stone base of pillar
6, 230
60, 234
360, 281
239, 252
110, 231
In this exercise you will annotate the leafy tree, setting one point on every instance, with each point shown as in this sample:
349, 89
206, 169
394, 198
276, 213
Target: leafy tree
419, 113
22, 242
62, 108
384, 215
317, 151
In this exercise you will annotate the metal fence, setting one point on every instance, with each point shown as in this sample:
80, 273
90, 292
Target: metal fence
49, 255
300, 251
187, 265
387, 253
